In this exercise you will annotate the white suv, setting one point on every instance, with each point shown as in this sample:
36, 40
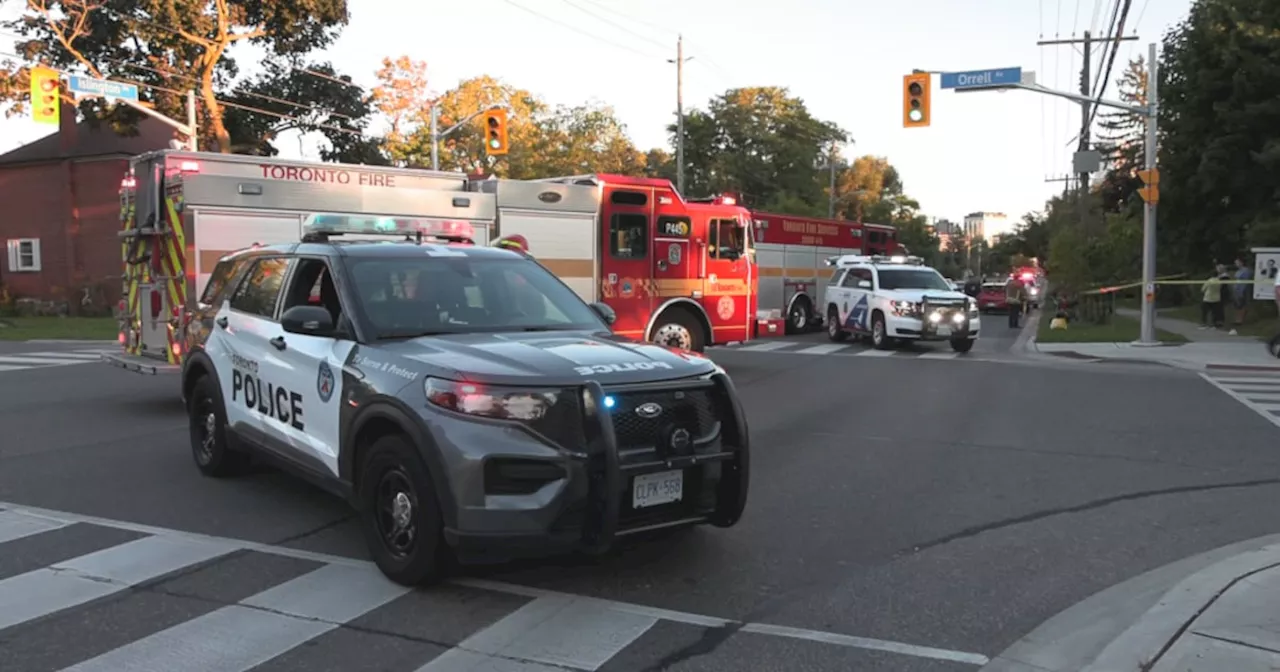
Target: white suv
891, 299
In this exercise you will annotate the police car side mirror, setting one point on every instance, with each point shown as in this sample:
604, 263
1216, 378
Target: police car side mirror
864, 284
308, 320
605, 312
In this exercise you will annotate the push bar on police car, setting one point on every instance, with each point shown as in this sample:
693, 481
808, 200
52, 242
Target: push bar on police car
937, 311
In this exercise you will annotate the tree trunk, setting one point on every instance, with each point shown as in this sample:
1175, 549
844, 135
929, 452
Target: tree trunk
213, 109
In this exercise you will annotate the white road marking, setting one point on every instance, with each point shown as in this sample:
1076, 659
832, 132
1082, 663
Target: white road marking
877, 353
243, 636
89, 577
824, 349
560, 630
39, 359
766, 347
15, 526
121, 564
1244, 397
64, 355
938, 355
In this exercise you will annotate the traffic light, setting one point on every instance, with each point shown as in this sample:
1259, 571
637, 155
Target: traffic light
1151, 192
495, 132
45, 103
915, 99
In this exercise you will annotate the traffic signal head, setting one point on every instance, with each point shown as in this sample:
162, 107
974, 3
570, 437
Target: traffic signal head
915, 99
45, 103
495, 132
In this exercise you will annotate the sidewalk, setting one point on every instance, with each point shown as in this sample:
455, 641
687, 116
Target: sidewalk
1207, 349
1216, 611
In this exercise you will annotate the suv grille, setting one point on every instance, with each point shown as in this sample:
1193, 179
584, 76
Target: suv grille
693, 410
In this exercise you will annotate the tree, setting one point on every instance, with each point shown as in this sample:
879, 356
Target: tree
1219, 131
761, 143
464, 148
587, 139
169, 47
401, 97
1122, 136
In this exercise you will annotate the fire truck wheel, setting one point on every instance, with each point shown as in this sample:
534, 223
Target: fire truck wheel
679, 328
834, 332
207, 421
800, 317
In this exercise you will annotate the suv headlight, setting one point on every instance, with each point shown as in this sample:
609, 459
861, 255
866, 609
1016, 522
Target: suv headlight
906, 309
523, 404
973, 309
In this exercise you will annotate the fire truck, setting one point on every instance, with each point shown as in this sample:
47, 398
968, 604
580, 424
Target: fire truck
792, 253
676, 273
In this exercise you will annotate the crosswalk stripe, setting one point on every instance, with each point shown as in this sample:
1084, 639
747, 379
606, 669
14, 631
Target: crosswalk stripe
41, 360
96, 575
824, 349
938, 355
7, 367
561, 630
14, 526
765, 347
80, 356
877, 353
241, 636
1264, 381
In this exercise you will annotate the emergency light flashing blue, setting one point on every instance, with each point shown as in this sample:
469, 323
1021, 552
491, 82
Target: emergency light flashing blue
609, 402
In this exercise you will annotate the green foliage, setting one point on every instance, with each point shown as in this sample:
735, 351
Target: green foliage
170, 47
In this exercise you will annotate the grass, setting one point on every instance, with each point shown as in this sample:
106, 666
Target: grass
1119, 330
58, 328
1259, 322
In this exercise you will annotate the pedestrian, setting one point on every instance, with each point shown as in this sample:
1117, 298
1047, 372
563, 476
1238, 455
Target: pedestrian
1241, 290
1210, 300
1224, 292
1015, 293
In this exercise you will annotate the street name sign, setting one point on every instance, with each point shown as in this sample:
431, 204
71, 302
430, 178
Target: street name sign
87, 86
982, 79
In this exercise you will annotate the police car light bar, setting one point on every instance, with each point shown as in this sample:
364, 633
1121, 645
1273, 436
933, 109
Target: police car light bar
875, 259
439, 229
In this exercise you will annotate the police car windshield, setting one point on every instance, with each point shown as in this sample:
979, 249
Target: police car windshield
912, 278
425, 295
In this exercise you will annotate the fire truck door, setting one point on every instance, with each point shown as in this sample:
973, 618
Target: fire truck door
674, 268
726, 293
627, 270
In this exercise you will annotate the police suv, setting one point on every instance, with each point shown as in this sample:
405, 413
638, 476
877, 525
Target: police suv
466, 401
891, 299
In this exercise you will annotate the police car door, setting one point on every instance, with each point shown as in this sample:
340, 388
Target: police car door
858, 285
310, 368
247, 323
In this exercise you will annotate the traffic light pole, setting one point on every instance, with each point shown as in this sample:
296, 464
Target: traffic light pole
1150, 112
438, 135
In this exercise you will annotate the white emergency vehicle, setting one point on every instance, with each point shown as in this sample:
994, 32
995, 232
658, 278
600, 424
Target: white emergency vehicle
892, 299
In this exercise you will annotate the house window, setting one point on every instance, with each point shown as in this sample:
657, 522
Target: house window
24, 255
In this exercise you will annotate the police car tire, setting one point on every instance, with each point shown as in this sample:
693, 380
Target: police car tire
885, 343
224, 460
963, 344
428, 560
834, 332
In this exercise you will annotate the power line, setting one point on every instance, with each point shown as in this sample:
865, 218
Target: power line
1111, 62
580, 31
614, 24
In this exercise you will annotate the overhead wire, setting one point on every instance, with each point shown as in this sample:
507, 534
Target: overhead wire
1106, 76
579, 31
702, 57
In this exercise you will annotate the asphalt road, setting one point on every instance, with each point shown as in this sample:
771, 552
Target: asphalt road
905, 514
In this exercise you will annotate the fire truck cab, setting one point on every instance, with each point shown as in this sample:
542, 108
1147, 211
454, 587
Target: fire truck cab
676, 272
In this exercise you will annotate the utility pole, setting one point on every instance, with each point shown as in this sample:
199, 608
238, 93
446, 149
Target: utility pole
1147, 332
680, 61
831, 201
1086, 106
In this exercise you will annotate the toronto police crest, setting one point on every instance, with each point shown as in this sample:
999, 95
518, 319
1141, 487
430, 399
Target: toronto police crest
324, 382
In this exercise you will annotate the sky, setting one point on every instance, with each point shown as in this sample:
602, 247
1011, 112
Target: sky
984, 151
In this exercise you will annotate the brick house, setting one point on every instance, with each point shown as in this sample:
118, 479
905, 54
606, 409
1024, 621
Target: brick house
61, 213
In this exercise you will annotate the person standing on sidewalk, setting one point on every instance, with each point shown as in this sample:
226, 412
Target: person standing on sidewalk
1211, 299
1241, 290
1015, 294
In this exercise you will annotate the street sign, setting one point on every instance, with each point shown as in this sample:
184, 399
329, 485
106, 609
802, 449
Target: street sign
86, 86
1151, 177
982, 79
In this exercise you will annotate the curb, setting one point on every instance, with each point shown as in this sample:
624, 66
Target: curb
1131, 624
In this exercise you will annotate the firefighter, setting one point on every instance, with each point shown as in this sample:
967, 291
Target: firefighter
1015, 295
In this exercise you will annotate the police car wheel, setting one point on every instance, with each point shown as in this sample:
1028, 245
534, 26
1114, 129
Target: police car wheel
834, 332
400, 514
208, 428
879, 333
963, 344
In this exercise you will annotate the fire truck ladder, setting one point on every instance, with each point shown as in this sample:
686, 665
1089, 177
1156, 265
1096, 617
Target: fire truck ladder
151, 267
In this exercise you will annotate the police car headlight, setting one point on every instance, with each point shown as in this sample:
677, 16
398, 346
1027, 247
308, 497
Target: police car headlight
489, 401
935, 317
973, 308
905, 308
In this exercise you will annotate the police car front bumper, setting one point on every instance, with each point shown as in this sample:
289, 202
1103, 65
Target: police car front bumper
626, 475
951, 324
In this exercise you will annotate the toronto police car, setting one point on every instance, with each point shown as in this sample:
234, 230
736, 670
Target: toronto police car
466, 401
891, 299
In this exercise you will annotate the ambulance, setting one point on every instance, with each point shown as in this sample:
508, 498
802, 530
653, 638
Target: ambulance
792, 252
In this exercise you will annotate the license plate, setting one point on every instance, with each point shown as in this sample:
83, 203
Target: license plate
991, 304
944, 331
655, 489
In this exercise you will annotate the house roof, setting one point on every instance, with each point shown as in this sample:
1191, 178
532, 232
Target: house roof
92, 142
